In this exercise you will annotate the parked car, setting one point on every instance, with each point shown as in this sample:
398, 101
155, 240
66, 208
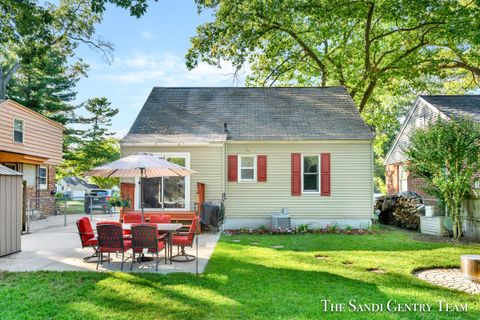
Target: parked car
97, 200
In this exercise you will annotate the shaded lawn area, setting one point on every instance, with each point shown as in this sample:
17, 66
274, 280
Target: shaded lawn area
250, 280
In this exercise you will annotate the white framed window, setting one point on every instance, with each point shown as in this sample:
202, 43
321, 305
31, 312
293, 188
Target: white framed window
247, 168
43, 177
420, 122
18, 130
310, 173
166, 193
402, 178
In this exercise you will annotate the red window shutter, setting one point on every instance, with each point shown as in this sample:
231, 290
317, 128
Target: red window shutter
261, 168
325, 174
296, 174
232, 168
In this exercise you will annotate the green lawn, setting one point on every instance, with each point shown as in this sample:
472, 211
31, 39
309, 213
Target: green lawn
251, 280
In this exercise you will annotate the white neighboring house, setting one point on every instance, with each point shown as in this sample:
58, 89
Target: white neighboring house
74, 187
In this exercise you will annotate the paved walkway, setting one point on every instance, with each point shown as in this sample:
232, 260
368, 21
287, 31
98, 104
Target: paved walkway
57, 248
449, 278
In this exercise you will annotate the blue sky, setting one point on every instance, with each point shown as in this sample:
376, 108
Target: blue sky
149, 52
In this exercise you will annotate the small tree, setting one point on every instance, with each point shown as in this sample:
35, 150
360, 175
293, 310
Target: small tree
446, 156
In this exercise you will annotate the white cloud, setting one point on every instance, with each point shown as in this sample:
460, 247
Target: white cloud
147, 35
167, 69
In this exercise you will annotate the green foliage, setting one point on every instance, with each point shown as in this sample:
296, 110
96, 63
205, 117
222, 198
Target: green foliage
446, 155
117, 201
46, 84
101, 114
93, 146
303, 227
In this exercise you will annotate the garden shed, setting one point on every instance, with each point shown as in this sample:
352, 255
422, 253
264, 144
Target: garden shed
10, 210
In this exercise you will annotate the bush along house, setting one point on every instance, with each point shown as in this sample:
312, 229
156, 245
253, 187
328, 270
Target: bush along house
32, 145
427, 109
304, 150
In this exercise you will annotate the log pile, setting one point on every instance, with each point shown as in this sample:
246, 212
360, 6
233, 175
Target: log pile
402, 210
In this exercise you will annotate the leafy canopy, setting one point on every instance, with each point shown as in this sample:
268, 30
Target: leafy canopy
362, 45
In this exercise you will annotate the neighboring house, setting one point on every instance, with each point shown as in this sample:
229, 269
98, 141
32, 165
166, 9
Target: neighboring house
427, 109
31, 144
75, 187
304, 149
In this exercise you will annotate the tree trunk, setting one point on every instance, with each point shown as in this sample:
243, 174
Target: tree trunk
5, 77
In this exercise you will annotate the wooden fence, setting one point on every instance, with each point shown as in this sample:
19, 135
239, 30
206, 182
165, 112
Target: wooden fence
471, 225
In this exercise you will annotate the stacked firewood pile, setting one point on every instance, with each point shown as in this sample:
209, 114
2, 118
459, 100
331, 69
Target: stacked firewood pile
402, 209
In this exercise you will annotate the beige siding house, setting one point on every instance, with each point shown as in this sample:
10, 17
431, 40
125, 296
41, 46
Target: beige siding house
31, 144
265, 149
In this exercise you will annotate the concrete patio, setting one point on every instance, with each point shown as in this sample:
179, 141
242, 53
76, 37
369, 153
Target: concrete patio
54, 247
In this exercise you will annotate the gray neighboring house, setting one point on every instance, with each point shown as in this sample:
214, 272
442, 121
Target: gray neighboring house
304, 149
75, 187
426, 109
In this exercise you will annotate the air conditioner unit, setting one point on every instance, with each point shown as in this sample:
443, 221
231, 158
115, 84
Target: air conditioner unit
280, 220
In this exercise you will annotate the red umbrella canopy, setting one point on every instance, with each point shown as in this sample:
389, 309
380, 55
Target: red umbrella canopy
140, 165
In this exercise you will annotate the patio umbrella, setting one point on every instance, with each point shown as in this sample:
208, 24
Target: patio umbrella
140, 165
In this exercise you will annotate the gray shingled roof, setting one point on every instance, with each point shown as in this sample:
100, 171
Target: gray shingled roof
4, 171
458, 105
75, 181
199, 114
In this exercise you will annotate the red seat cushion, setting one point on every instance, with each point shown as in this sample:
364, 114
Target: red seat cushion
181, 240
132, 218
90, 243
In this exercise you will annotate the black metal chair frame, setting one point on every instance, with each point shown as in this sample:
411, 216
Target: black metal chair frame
110, 242
139, 241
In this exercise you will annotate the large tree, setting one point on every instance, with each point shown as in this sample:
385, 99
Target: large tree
93, 144
46, 84
31, 30
446, 156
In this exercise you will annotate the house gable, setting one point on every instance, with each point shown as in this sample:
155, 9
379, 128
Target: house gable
419, 115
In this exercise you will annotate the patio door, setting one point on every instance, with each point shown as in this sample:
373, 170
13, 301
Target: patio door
168, 193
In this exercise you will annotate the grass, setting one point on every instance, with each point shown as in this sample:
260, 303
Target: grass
247, 279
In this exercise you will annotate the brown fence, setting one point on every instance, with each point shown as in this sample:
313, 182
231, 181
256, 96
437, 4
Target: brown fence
471, 224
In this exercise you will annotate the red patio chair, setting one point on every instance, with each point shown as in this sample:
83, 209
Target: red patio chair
87, 236
160, 218
110, 240
131, 218
145, 237
185, 239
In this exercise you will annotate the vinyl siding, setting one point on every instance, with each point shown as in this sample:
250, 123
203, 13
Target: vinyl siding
420, 110
351, 182
41, 137
206, 160
351, 179
10, 214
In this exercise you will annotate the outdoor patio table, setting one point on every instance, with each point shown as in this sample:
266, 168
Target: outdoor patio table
169, 228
